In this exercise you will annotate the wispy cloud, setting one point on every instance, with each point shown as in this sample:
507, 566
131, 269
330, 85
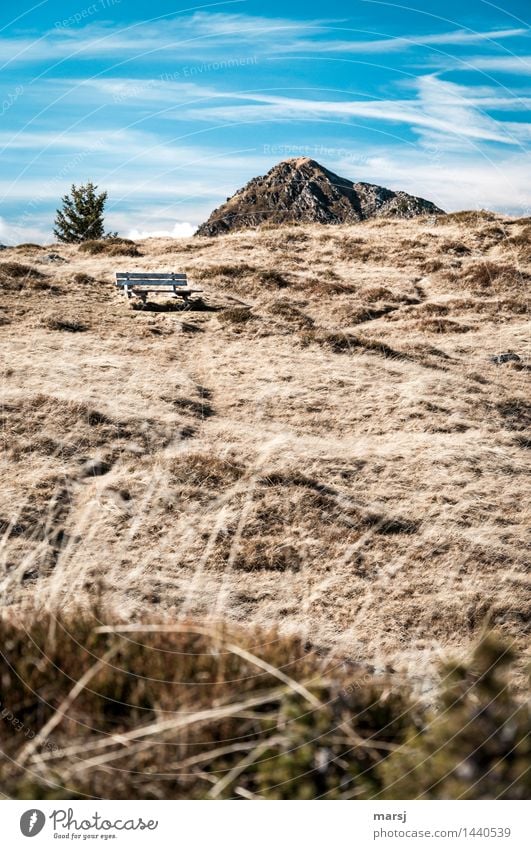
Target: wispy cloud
395, 44
177, 90
505, 64
440, 108
186, 36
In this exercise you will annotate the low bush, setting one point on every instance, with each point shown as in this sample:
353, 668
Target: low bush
475, 746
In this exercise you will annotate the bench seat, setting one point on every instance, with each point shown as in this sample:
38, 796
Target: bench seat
141, 283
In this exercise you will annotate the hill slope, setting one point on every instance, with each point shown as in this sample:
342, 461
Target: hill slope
302, 191
341, 458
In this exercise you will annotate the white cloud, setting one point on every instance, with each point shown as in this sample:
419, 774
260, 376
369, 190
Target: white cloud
11, 234
505, 64
180, 230
451, 180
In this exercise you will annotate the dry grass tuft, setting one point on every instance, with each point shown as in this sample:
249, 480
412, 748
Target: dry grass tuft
222, 270
16, 276
376, 293
323, 286
363, 313
491, 275
110, 247
68, 325
516, 413
430, 266
272, 278
236, 315
18, 271
442, 325
453, 247
290, 313
341, 343
472, 217
204, 470
81, 278
28, 247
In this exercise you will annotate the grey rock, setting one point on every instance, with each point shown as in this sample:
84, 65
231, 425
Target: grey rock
506, 357
95, 468
53, 258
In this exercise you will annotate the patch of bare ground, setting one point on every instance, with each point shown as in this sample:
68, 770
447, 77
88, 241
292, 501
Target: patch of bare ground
323, 444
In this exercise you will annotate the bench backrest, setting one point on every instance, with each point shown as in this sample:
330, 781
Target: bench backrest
151, 278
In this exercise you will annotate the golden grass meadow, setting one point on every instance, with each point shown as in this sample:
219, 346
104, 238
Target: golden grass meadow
307, 496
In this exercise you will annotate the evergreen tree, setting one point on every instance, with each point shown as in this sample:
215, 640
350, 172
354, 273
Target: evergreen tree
81, 216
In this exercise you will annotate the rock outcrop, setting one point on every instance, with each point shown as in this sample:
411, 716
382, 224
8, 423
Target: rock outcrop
302, 191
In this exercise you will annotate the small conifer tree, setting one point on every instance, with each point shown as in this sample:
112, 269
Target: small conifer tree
81, 216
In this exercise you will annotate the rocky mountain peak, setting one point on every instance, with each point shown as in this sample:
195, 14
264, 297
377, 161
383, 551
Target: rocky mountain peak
300, 190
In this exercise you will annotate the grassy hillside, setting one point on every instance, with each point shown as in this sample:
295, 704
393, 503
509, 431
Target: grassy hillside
323, 446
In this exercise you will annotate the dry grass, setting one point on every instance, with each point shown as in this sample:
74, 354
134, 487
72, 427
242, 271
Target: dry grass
159, 458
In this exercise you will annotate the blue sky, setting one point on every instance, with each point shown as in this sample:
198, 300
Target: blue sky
172, 106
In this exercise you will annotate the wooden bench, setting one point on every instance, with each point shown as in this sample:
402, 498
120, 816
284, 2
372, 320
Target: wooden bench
141, 283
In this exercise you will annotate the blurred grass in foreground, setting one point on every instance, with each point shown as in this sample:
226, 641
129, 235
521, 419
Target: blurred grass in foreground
180, 710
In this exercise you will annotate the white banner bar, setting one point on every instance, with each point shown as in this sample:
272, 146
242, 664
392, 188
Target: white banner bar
266, 825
